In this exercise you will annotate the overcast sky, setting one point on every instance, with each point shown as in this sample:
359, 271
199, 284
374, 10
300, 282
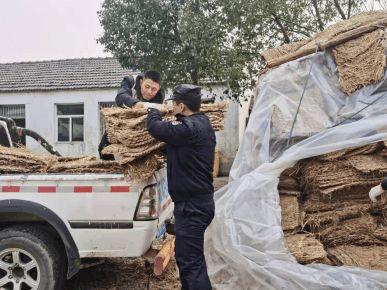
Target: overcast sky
49, 29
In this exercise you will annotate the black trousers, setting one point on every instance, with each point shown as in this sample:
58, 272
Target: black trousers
191, 221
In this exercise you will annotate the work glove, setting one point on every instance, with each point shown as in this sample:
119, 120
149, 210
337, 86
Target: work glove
149, 105
375, 191
159, 107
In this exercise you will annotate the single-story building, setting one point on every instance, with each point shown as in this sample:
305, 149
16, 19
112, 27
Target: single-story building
61, 100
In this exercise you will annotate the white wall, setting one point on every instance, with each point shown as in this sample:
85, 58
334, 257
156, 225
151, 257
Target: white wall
41, 117
228, 139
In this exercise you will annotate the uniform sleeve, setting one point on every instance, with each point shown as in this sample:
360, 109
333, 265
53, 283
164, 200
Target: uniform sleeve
174, 133
124, 94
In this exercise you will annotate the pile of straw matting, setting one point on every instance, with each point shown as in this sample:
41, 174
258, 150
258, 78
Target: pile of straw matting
357, 45
21, 160
140, 155
326, 199
135, 148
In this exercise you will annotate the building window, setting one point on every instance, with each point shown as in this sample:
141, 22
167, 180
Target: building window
70, 122
13, 111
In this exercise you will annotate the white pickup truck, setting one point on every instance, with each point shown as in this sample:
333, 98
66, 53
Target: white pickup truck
49, 222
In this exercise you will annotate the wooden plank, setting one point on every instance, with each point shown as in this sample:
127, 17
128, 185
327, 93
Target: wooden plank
164, 256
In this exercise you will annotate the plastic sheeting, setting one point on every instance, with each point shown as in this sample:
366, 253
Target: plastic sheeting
245, 246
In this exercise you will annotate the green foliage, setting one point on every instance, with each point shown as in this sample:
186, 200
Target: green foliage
211, 41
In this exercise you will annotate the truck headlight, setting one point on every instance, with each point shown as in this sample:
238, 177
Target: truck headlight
148, 205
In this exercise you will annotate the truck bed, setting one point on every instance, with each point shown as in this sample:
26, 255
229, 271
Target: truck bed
98, 209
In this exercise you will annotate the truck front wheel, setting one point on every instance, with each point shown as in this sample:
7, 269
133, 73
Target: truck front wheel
30, 259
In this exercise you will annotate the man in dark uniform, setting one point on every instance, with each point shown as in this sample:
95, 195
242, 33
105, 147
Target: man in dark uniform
137, 93
190, 159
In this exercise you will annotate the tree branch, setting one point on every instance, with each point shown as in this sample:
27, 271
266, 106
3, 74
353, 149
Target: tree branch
298, 25
349, 8
341, 12
318, 15
300, 32
195, 74
281, 27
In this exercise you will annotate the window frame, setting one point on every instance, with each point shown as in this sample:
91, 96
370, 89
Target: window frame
19, 109
70, 117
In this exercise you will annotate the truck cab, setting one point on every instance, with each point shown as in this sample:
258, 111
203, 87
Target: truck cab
50, 223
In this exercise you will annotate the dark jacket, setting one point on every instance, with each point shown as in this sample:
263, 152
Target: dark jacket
130, 93
384, 183
190, 154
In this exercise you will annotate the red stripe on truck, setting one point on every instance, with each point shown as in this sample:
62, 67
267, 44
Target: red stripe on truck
46, 189
83, 189
11, 188
119, 189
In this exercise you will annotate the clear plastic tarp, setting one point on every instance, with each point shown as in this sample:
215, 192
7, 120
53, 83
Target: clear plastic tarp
245, 246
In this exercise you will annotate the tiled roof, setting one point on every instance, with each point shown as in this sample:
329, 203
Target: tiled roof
83, 73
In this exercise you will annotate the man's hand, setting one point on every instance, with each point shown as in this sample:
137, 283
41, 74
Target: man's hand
375, 191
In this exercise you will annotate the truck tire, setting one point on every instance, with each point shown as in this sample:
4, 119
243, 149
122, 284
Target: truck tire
30, 258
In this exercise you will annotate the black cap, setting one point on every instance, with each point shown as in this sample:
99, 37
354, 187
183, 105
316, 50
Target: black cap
186, 93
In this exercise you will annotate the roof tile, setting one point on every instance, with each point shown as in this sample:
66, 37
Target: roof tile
82, 73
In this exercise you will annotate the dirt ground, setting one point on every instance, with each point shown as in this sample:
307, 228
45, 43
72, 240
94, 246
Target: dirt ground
128, 273
123, 274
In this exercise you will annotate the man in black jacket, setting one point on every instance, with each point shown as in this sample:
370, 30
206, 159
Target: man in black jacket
190, 159
146, 89
137, 93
